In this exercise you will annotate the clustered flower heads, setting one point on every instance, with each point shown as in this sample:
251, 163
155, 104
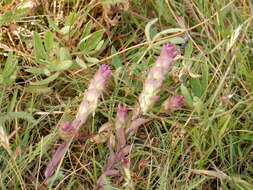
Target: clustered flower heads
123, 125
118, 150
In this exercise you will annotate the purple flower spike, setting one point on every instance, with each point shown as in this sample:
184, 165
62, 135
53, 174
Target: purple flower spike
135, 124
58, 155
121, 115
173, 103
91, 96
156, 76
120, 124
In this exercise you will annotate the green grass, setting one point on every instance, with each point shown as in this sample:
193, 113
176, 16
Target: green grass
50, 52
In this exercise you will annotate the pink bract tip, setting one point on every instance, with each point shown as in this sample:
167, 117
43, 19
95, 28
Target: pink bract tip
174, 102
66, 126
122, 112
122, 108
169, 50
105, 70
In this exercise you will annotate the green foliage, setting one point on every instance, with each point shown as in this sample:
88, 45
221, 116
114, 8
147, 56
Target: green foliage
90, 42
54, 59
14, 115
154, 37
205, 145
15, 14
9, 73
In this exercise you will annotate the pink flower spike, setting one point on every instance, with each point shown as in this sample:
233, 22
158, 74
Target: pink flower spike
91, 96
173, 103
155, 78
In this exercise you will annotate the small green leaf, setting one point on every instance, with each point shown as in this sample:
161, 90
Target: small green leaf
92, 42
49, 41
17, 115
223, 129
81, 63
13, 14
47, 80
198, 104
42, 147
205, 74
63, 54
188, 50
70, 20
65, 30
92, 59
40, 52
12, 104
9, 72
110, 1
10, 66
148, 28
47, 72
40, 89
62, 65
168, 31
117, 62
36, 71
99, 46
174, 40
87, 29
187, 96
196, 87
82, 42
1, 79
52, 24
43, 62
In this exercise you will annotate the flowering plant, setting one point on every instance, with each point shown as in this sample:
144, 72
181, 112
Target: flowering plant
124, 125
68, 130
